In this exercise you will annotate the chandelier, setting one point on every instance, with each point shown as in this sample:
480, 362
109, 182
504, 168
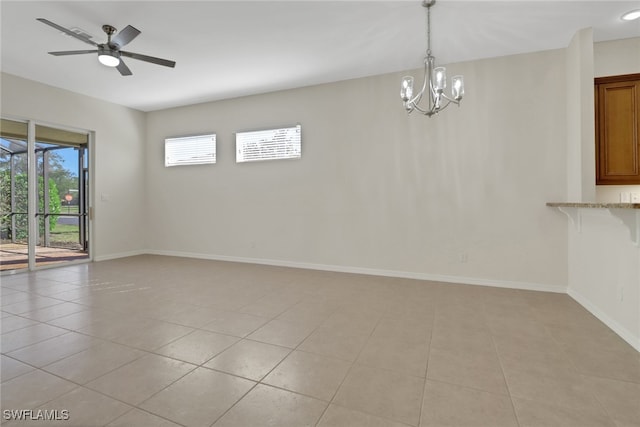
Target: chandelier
434, 84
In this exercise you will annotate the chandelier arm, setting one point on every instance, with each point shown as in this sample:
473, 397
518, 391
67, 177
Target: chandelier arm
450, 100
445, 106
431, 110
434, 94
417, 107
428, 113
416, 99
434, 104
428, 75
448, 103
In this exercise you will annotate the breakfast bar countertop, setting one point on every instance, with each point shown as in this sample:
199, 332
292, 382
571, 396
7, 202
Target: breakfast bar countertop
594, 205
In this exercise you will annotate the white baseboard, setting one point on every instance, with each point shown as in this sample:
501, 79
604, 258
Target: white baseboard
624, 333
119, 255
372, 271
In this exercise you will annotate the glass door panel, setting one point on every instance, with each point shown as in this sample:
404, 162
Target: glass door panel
61, 159
14, 201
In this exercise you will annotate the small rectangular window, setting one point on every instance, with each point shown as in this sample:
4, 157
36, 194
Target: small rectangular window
190, 150
271, 144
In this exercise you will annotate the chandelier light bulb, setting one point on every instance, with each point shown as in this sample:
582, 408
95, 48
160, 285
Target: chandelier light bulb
406, 90
439, 79
457, 87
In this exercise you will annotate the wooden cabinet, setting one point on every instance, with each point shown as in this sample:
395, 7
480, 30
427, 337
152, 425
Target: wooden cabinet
618, 129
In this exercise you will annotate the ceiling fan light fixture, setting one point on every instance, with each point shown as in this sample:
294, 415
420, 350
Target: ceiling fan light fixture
107, 56
631, 15
108, 59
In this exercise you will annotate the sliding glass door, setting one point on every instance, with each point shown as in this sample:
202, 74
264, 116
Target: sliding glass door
44, 200
14, 200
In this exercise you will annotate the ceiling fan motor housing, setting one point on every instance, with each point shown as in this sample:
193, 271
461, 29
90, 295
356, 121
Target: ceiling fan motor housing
104, 49
110, 30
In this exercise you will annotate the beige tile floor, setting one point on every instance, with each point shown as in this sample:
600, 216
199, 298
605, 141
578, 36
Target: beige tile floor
162, 341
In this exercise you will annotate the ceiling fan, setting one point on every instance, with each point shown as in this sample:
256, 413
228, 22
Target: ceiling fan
109, 53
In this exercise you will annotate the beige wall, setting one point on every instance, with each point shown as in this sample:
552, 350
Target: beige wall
377, 190
119, 157
617, 57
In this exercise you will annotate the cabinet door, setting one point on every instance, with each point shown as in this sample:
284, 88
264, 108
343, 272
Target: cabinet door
617, 132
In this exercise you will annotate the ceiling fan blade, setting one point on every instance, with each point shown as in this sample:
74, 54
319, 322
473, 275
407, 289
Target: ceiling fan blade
125, 36
124, 70
72, 52
69, 32
151, 59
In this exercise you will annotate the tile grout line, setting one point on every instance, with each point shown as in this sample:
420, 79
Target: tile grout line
426, 372
504, 376
335, 393
578, 373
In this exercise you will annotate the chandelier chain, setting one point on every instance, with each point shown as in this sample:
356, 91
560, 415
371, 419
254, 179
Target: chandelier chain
428, 30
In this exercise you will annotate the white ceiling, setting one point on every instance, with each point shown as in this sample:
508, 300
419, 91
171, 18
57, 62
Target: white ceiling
226, 49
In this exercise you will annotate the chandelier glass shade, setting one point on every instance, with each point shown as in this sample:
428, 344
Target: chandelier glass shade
431, 97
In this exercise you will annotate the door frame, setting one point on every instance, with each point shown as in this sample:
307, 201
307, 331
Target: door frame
32, 202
